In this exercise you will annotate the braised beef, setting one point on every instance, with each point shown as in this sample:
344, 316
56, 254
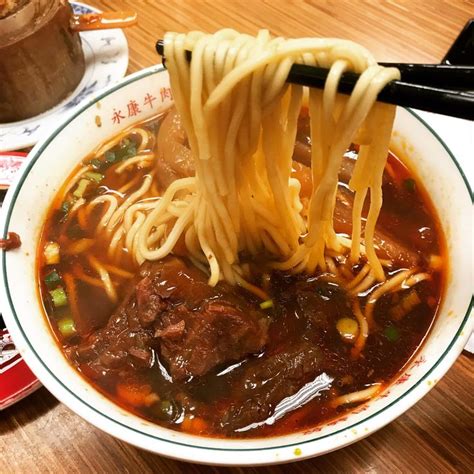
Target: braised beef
171, 309
217, 333
274, 379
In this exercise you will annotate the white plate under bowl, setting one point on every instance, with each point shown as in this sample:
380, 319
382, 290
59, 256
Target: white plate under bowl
148, 91
106, 58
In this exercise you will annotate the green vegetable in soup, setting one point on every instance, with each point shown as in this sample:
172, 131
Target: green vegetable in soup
67, 327
66, 207
126, 150
391, 333
81, 188
52, 279
59, 297
166, 410
97, 164
93, 176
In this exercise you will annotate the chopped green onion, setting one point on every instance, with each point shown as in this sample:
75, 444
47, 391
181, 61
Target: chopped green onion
51, 253
166, 410
81, 188
64, 210
266, 304
409, 184
110, 156
67, 327
391, 333
97, 164
348, 328
52, 279
126, 149
93, 176
129, 150
59, 297
66, 206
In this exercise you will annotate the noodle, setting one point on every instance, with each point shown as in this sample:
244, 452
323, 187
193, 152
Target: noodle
360, 276
118, 271
78, 272
363, 330
364, 285
72, 293
114, 243
105, 277
144, 135
389, 285
240, 118
113, 204
78, 246
144, 160
118, 214
356, 397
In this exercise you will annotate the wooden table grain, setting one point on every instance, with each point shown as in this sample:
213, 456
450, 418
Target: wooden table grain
39, 434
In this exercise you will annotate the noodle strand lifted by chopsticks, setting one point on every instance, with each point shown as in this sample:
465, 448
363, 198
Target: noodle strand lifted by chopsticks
240, 118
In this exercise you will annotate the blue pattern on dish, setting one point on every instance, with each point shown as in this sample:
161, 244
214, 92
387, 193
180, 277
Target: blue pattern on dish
80, 9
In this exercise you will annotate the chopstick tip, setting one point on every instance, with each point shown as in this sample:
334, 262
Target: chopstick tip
160, 47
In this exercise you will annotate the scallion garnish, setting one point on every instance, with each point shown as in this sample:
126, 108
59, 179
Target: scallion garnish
81, 188
93, 176
52, 279
59, 297
391, 333
67, 327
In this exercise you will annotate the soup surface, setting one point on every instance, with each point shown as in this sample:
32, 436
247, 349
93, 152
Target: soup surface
157, 340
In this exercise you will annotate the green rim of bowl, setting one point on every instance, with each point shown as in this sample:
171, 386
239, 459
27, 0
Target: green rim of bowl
16, 189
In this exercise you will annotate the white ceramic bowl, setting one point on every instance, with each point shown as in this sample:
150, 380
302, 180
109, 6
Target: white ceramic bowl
25, 208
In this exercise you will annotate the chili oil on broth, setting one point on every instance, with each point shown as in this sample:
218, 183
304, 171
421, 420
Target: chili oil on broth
60, 229
308, 313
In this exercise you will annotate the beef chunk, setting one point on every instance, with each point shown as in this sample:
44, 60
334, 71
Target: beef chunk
193, 342
274, 378
171, 309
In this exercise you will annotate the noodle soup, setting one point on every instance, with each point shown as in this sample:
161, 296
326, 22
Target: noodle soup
25, 210
300, 350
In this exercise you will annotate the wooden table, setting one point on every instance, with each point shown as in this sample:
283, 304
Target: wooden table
40, 434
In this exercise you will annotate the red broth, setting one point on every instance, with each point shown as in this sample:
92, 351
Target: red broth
243, 398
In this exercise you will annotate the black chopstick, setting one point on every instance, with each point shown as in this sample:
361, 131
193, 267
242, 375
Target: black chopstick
422, 96
462, 50
418, 96
436, 75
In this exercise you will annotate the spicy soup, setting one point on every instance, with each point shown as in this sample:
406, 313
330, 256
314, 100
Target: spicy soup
157, 340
